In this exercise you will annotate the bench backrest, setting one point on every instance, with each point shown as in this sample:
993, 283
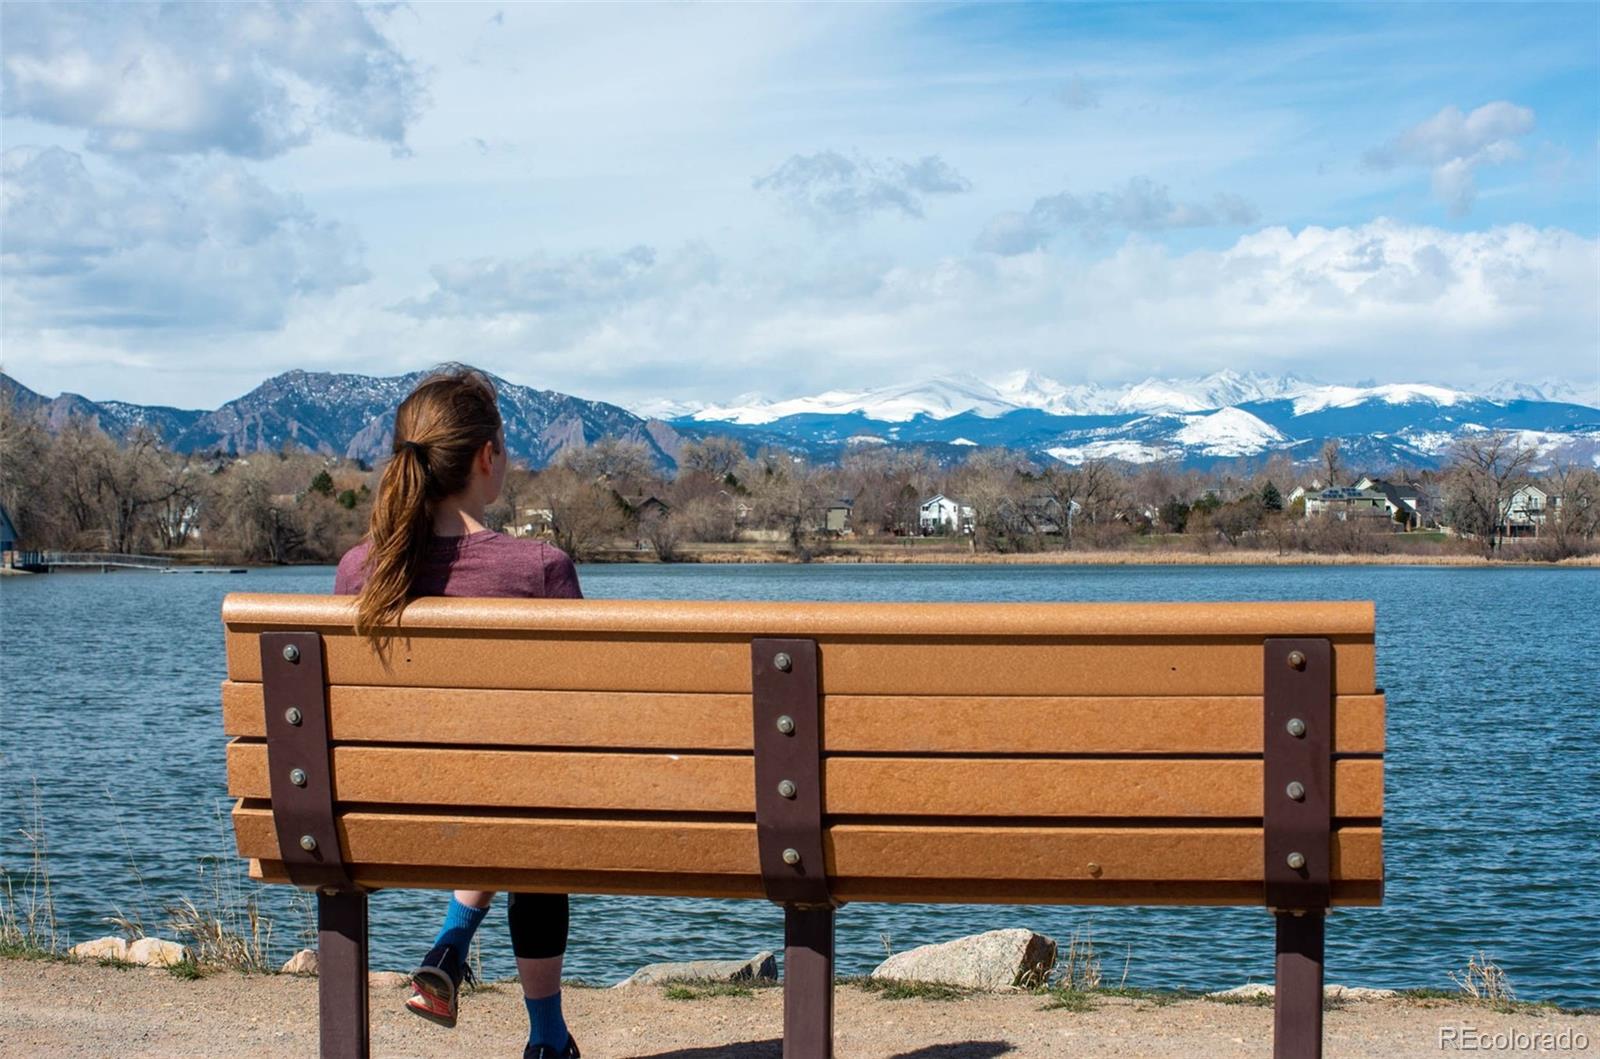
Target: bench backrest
1006, 752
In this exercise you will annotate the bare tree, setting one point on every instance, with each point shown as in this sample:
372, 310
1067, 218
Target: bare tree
584, 514
716, 457
1574, 513
1332, 461
1486, 471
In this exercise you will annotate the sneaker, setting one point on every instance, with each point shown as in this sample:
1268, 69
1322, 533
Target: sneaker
436, 985
544, 1051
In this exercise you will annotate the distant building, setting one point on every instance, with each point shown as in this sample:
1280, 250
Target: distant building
942, 511
1405, 503
836, 516
8, 537
1527, 511
1346, 502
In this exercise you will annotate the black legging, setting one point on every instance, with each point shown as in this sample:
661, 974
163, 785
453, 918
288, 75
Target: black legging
538, 925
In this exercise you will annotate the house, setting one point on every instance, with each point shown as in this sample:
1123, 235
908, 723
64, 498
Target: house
1346, 502
1525, 513
532, 522
836, 516
8, 537
644, 506
1405, 503
942, 512
1044, 514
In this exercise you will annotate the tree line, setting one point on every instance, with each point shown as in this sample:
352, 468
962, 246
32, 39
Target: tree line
75, 488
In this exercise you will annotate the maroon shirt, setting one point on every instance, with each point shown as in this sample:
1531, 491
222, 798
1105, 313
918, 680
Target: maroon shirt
485, 563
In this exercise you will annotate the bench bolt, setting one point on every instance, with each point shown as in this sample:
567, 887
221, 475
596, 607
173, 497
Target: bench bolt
1296, 727
791, 856
786, 724
1296, 860
786, 788
291, 654
1297, 660
297, 777
783, 662
308, 843
1296, 791
292, 715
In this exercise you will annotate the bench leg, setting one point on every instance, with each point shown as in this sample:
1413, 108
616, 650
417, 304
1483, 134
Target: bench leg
342, 975
1297, 997
807, 983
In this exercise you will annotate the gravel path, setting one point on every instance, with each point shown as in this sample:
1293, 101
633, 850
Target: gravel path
70, 1009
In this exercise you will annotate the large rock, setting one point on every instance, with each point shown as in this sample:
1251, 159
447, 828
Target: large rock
763, 967
302, 962
156, 952
998, 959
101, 949
388, 980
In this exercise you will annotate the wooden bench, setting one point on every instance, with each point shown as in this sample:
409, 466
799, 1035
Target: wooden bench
813, 754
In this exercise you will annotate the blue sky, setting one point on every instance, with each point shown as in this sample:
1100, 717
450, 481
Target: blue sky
694, 202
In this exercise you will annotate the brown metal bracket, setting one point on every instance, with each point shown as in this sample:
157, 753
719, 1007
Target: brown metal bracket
300, 761
1298, 774
788, 768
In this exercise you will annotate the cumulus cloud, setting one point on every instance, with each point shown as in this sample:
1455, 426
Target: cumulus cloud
583, 283
1455, 145
202, 248
249, 80
1140, 205
831, 189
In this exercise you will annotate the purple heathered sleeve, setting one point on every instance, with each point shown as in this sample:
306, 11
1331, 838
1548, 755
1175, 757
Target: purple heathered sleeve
560, 576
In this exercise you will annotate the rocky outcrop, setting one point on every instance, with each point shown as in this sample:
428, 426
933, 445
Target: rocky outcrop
1329, 992
302, 962
102, 949
156, 952
763, 967
997, 959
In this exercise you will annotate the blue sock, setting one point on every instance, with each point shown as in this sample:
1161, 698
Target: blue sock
460, 923
545, 1024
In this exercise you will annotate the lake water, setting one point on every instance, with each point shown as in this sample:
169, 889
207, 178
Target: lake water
110, 706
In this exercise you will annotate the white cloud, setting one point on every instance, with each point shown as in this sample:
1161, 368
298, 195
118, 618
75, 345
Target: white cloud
249, 80
1140, 205
1455, 145
207, 247
832, 189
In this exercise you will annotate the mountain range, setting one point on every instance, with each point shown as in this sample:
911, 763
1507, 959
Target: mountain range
1192, 422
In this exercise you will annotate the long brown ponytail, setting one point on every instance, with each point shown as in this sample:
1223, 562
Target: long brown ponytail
438, 430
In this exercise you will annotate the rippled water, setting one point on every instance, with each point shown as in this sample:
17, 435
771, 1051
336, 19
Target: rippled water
110, 703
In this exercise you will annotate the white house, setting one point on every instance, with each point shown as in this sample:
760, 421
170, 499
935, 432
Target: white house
1345, 502
941, 510
1524, 515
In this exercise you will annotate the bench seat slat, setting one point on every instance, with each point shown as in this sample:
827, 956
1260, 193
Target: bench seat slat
947, 859
975, 724
962, 666
854, 786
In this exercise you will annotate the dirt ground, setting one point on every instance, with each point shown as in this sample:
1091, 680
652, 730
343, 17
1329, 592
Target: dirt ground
72, 1009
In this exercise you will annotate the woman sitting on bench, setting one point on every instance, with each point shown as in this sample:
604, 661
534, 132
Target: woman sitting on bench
427, 538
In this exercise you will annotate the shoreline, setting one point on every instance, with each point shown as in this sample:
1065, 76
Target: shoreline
78, 1008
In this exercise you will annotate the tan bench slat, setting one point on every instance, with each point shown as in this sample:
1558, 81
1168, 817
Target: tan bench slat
594, 780
858, 667
975, 724
855, 851
809, 618
385, 876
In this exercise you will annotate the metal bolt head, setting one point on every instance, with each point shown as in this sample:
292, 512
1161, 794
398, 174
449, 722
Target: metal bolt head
1296, 860
786, 724
791, 856
1296, 791
1297, 660
308, 843
783, 662
291, 653
1296, 727
297, 777
786, 788
1094, 869
292, 715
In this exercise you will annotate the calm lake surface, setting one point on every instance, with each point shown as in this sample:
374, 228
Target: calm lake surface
109, 709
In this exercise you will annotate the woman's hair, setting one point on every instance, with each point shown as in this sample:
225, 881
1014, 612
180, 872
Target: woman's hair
438, 430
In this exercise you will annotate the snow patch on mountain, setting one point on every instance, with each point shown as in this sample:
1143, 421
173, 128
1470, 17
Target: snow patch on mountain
1117, 449
1228, 432
1325, 397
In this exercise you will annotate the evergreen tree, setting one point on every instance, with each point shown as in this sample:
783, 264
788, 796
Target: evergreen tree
1271, 499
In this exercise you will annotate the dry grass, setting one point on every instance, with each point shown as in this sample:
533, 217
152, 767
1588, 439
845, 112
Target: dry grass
1482, 979
28, 926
